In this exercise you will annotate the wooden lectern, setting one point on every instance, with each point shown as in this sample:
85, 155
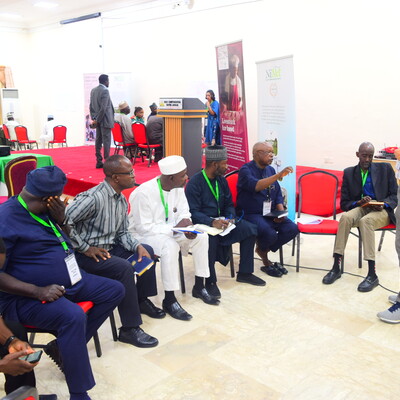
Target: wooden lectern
183, 129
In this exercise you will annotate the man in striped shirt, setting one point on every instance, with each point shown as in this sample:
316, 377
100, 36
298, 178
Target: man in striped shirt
99, 233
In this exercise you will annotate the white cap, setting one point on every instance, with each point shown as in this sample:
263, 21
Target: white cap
172, 165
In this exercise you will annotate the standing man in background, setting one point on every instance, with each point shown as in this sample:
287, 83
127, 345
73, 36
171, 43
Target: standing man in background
102, 113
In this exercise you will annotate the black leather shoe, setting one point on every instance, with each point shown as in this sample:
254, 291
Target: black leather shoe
368, 284
99, 165
53, 352
148, 308
175, 310
281, 268
271, 271
205, 296
331, 277
138, 337
250, 279
213, 290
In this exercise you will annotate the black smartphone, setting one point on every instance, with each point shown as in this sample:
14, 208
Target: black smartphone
33, 357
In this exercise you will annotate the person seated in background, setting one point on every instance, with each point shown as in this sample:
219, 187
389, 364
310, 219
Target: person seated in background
153, 110
259, 194
126, 124
11, 124
41, 283
17, 372
99, 233
210, 203
155, 130
157, 206
155, 134
362, 184
138, 116
48, 133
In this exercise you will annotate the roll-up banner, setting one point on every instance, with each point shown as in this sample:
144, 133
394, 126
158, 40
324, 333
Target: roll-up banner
232, 103
277, 118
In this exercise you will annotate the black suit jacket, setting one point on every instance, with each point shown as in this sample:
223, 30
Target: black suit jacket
383, 181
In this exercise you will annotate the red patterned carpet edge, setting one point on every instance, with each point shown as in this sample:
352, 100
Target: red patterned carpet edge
79, 163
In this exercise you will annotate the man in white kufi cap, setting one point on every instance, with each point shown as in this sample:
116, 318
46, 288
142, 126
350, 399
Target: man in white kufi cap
11, 124
157, 206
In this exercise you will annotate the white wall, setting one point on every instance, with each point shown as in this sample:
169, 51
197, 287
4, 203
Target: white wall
346, 63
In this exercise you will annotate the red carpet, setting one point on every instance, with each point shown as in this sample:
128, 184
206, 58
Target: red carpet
78, 163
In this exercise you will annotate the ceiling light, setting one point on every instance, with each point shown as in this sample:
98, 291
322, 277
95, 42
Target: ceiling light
45, 4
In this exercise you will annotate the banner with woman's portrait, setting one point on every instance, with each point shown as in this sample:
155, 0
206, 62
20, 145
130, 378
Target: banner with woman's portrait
232, 104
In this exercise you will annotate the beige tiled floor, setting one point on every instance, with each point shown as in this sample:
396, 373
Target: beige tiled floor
294, 339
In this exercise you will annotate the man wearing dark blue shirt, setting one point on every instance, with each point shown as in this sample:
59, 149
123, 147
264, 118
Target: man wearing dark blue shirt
41, 282
259, 194
362, 184
210, 203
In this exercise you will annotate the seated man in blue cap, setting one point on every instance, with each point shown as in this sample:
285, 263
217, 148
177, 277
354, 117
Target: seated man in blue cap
41, 282
13, 344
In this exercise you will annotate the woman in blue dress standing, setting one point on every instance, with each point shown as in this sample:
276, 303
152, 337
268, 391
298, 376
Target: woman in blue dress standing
212, 131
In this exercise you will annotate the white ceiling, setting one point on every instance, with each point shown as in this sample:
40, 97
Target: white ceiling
31, 16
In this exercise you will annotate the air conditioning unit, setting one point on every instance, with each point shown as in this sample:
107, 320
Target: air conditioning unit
10, 103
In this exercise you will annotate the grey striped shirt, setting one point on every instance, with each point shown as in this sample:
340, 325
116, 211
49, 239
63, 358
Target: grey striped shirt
99, 218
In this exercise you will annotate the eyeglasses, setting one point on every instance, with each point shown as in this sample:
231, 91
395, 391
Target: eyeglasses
265, 153
130, 173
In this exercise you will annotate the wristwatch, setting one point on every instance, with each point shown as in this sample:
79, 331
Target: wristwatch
8, 341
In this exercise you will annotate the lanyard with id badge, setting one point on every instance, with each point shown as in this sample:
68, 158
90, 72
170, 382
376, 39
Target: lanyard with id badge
70, 260
267, 203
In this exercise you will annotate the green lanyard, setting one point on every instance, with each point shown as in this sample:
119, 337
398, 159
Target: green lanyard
364, 176
214, 192
163, 200
50, 225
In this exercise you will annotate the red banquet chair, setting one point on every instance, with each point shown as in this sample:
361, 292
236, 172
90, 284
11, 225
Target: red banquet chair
317, 196
59, 136
119, 142
86, 307
117, 137
140, 135
22, 137
232, 178
23, 393
14, 143
15, 173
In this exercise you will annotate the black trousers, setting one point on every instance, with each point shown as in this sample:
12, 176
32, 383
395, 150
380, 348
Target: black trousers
244, 233
119, 269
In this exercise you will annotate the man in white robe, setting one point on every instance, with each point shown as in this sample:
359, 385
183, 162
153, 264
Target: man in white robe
156, 207
48, 131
